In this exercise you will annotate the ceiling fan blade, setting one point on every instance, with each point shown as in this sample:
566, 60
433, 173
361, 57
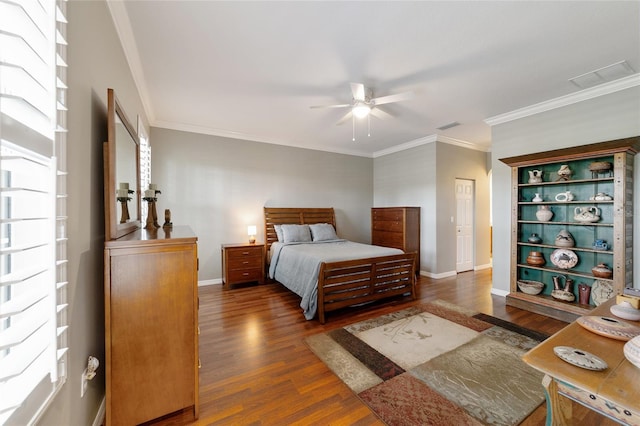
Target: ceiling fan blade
331, 106
393, 98
344, 119
378, 113
357, 89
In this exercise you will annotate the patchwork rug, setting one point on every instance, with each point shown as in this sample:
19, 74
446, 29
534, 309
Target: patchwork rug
436, 364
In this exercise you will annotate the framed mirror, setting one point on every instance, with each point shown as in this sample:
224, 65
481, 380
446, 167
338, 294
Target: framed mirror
121, 173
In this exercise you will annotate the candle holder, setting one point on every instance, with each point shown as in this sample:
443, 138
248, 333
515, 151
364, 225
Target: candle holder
151, 214
124, 203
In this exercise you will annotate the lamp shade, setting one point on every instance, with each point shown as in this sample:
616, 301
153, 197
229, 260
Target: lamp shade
252, 230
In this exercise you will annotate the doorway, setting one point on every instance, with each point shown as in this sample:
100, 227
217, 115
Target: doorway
465, 220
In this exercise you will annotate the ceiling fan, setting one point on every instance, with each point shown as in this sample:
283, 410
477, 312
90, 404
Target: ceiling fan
364, 104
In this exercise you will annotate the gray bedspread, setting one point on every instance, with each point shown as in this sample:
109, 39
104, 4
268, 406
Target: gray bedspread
296, 265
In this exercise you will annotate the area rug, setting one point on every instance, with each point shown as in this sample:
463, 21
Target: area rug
436, 364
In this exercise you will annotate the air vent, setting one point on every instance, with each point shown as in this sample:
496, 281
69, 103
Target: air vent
448, 126
603, 75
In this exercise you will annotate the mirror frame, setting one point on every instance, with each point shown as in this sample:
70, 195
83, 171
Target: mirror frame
114, 229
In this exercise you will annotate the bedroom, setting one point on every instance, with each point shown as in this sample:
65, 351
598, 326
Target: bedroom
249, 175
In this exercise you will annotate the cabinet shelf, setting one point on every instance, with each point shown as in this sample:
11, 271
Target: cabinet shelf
614, 227
584, 249
559, 271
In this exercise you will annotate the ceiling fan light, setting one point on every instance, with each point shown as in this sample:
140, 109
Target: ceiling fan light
361, 111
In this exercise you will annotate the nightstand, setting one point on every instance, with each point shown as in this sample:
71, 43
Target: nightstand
242, 263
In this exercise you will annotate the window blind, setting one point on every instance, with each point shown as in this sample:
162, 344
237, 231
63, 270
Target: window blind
33, 178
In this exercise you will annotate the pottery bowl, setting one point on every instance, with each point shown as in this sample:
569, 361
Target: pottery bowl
632, 351
530, 287
600, 166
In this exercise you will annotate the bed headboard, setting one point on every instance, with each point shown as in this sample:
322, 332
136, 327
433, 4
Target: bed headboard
296, 216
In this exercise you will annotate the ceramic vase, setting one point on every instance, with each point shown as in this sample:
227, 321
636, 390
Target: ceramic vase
537, 198
544, 213
534, 238
565, 239
535, 258
584, 293
602, 271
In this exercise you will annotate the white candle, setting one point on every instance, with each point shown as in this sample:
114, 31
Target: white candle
149, 193
123, 192
123, 185
153, 186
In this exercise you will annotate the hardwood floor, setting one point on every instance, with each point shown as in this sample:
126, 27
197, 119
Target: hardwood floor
257, 370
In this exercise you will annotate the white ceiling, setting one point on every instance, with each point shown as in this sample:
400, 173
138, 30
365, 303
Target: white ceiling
251, 70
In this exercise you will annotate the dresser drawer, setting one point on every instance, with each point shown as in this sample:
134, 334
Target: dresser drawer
388, 239
388, 214
388, 225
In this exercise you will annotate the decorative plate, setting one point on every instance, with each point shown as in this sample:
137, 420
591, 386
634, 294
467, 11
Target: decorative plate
580, 358
609, 327
601, 291
564, 259
626, 311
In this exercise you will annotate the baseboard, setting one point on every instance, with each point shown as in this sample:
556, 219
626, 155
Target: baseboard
209, 282
498, 292
481, 267
102, 410
438, 276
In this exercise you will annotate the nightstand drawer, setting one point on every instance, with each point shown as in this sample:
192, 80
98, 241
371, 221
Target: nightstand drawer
242, 276
246, 262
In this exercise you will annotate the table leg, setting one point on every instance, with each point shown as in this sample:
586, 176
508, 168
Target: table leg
558, 408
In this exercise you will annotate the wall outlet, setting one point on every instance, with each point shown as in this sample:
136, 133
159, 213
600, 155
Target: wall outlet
84, 383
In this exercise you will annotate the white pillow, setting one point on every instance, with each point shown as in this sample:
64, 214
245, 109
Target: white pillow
296, 233
323, 232
278, 229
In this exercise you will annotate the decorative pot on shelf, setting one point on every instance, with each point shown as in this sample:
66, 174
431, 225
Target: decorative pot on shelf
564, 173
544, 213
535, 176
565, 239
602, 271
537, 198
562, 291
534, 238
535, 258
584, 293
564, 196
587, 214
601, 196
600, 245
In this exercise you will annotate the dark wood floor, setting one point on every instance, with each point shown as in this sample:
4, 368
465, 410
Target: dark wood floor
257, 370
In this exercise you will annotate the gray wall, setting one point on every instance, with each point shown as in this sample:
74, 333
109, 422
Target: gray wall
219, 186
424, 176
609, 117
96, 62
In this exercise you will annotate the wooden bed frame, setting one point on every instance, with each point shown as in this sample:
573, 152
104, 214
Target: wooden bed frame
350, 282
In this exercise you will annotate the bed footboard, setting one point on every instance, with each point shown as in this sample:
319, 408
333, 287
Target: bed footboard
353, 282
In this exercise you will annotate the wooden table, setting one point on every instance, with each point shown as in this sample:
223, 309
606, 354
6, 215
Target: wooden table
614, 392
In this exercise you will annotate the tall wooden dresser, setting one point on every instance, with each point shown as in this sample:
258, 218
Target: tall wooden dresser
151, 321
397, 227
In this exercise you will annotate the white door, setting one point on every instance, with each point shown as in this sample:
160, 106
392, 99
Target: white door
464, 224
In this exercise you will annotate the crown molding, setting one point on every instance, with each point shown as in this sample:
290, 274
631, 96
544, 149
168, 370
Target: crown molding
562, 101
247, 137
428, 139
122, 24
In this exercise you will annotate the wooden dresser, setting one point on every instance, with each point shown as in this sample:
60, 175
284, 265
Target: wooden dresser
397, 227
151, 325
242, 263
